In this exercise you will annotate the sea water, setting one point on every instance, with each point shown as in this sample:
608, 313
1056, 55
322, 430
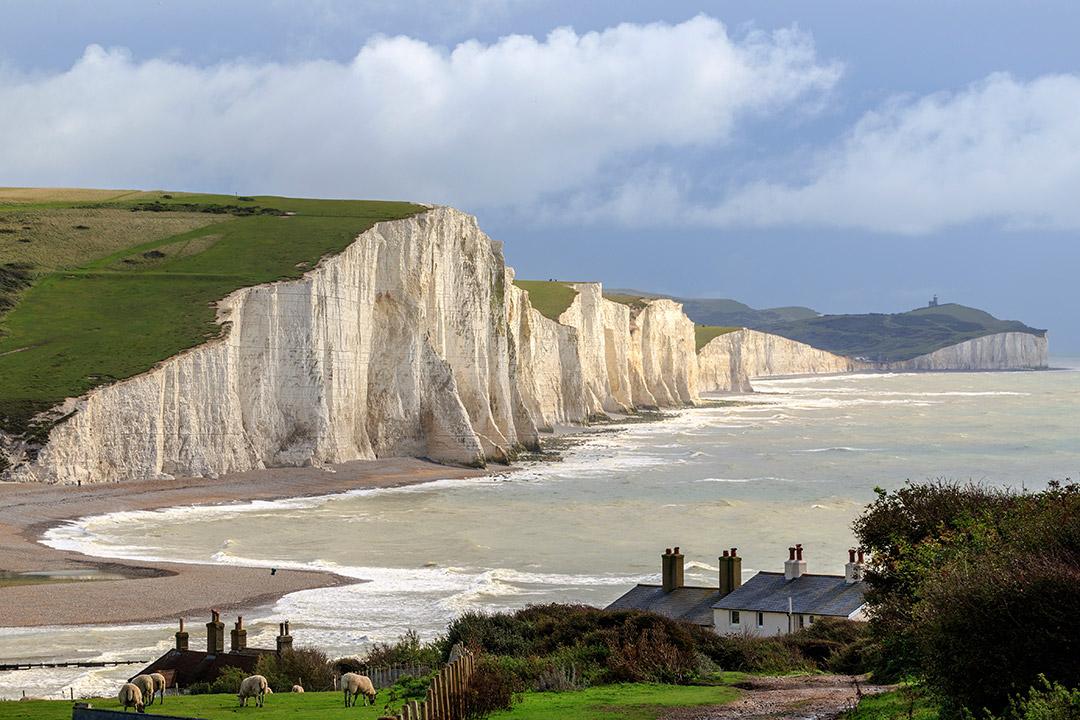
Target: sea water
793, 463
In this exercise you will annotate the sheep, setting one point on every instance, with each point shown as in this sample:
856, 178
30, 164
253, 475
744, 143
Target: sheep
254, 686
299, 686
145, 683
353, 684
131, 696
159, 686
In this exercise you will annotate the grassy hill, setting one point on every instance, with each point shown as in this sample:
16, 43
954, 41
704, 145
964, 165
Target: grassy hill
899, 336
723, 312
97, 286
550, 297
704, 333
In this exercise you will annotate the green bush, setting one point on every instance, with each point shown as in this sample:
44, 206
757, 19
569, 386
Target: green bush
494, 686
1045, 701
227, 682
307, 667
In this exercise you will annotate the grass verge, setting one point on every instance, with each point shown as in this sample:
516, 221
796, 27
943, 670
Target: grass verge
905, 703
550, 297
636, 701
705, 333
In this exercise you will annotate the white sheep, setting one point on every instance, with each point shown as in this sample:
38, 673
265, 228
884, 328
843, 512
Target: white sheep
254, 686
299, 686
145, 683
159, 686
131, 696
353, 685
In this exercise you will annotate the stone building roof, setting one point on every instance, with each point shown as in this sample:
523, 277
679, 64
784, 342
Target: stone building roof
690, 604
810, 595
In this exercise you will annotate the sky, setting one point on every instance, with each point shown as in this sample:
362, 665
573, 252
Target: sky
854, 156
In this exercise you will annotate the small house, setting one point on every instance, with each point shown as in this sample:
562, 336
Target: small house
183, 667
769, 603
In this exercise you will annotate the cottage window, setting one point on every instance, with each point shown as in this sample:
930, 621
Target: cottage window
760, 619
802, 620
734, 617
811, 619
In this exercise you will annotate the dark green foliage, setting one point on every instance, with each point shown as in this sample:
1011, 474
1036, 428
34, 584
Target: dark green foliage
306, 667
1044, 701
493, 687
589, 646
408, 650
212, 208
14, 277
975, 590
228, 682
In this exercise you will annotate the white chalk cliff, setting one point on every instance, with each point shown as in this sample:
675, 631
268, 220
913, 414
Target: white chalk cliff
413, 341
1001, 351
728, 362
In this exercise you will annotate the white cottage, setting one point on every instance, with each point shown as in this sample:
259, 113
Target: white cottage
770, 603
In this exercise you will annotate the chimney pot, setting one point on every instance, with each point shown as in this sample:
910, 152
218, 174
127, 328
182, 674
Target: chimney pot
798, 552
676, 549
734, 552
667, 551
851, 555
861, 556
791, 553
725, 553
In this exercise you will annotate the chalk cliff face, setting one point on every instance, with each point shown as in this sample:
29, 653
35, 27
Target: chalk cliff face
414, 341
728, 362
1003, 351
411, 342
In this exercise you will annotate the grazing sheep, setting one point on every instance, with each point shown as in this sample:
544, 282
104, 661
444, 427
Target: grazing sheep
254, 686
131, 696
159, 686
299, 686
353, 684
145, 683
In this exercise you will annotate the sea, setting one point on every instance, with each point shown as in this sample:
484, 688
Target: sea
794, 462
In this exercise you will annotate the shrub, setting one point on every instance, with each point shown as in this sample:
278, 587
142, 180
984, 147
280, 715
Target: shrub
494, 686
308, 667
408, 650
1045, 701
227, 682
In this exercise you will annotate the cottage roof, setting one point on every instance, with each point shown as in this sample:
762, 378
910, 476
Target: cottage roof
690, 604
183, 668
810, 594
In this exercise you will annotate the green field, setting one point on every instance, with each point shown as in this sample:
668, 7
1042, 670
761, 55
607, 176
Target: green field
279, 706
106, 289
610, 702
631, 702
550, 297
895, 705
704, 333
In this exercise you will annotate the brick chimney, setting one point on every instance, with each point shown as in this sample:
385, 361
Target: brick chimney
853, 571
671, 569
284, 639
795, 566
730, 571
215, 634
238, 636
181, 637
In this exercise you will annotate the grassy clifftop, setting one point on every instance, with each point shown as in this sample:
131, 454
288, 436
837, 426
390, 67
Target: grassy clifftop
97, 286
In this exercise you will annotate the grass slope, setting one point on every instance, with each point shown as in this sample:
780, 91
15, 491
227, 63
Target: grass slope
550, 297
902, 704
279, 706
140, 284
637, 701
704, 333
633, 702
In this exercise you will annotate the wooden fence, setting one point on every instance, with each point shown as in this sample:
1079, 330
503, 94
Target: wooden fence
446, 698
382, 677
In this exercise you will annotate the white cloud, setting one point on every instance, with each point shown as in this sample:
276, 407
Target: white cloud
1002, 151
506, 124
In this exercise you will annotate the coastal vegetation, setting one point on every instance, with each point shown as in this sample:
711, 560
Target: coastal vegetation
704, 333
973, 592
82, 277
550, 297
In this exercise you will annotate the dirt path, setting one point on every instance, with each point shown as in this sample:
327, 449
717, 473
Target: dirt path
802, 697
